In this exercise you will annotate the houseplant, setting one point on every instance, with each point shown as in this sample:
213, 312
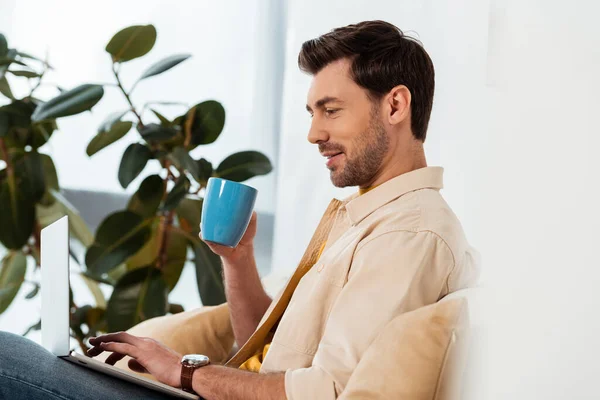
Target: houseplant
30, 196
142, 249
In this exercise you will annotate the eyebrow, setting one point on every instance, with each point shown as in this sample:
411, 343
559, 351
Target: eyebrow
322, 102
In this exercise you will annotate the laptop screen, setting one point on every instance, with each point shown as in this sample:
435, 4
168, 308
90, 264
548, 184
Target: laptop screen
55, 287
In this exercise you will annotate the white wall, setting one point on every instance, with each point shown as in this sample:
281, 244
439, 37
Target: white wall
515, 126
229, 63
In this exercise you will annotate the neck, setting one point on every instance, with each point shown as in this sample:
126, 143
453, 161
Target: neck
398, 163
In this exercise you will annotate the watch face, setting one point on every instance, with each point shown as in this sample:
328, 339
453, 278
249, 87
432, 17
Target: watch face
195, 360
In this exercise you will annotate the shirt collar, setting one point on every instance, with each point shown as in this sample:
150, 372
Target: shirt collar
360, 206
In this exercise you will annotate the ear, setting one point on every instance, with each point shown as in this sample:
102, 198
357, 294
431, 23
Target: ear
398, 102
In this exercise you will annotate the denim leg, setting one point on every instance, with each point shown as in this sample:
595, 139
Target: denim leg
28, 371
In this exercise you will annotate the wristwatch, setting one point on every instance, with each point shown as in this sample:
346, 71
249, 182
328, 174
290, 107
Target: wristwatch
190, 363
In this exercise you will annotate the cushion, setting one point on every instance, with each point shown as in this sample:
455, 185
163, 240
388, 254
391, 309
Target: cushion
418, 356
205, 330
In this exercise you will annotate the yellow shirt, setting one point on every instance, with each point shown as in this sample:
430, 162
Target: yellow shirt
254, 363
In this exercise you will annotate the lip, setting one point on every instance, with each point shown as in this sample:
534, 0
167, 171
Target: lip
332, 158
330, 154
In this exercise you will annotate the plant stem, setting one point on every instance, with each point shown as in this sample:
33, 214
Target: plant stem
165, 228
4, 156
39, 82
165, 222
116, 73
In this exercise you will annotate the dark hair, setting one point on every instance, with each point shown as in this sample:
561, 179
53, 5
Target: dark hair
382, 57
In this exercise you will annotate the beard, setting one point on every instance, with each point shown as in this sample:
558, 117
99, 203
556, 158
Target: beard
370, 148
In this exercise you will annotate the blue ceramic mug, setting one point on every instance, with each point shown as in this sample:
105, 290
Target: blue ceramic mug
226, 211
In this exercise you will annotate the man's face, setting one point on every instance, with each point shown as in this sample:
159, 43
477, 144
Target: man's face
346, 125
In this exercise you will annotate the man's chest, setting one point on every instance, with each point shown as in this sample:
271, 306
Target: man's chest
303, 323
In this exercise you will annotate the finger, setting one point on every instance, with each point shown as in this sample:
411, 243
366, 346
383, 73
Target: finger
134, 365
113, 358
122, 337
94, 351
123, 348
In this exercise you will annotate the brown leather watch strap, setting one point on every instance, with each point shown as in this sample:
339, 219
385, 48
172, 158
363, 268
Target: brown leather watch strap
187, 371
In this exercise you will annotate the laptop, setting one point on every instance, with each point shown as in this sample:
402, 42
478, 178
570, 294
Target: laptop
55, 310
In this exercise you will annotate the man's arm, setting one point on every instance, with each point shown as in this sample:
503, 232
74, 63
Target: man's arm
393, 273
211, 382
218, 382
245, 294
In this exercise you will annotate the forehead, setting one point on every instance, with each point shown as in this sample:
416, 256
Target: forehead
334, 81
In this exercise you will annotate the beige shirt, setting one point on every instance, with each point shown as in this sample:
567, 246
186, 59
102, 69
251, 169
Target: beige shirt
391, 250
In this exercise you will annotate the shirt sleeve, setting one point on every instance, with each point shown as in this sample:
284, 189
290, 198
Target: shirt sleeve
390, 274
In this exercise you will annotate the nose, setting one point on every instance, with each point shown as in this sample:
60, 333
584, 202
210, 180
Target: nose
316, 134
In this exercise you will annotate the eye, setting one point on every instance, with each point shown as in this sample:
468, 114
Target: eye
331, 111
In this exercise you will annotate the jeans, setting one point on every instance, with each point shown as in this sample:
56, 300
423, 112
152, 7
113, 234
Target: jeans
28, 371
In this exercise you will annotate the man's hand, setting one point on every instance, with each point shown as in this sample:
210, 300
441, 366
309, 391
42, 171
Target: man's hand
148, 355
242, 248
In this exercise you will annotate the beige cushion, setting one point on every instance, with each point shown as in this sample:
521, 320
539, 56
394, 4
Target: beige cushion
205, 330
418, 356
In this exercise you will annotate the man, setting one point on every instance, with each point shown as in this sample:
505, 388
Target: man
391, 248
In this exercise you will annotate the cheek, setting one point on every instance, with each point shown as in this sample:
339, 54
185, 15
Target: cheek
344, 133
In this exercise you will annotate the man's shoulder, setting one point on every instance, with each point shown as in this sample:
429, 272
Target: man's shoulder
420, 211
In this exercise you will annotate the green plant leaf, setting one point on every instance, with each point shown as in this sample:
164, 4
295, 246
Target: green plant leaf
5, 61
189, 212
209, 276
4, 123
146, 200
134, 160
182, 160
59, 207
35, 327
139, 295
157, 133
181, 188
77, 225
206, 169
72, 102
164, 65
163, 120
131, 42
95, 290
3, 45
106, 279
244, 165
177, 245
50, 176
14, 265
26, 55
40, 133
33, 292
103, 139
5, 88
119, 236
25, 73
203, 123
148, 254
110, 120
50, 180
17, 213
30, 171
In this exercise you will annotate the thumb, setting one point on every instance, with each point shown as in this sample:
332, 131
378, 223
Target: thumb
135, 366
